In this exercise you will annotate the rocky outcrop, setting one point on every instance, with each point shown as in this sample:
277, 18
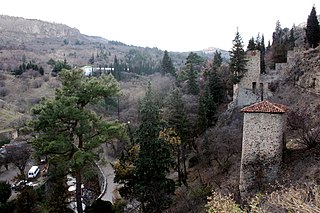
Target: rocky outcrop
39, 29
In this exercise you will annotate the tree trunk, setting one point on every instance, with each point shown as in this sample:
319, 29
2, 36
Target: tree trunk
78, 192
185, 176
178, 166
78, 181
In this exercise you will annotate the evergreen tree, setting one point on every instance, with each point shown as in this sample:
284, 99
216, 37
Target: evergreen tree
277, 34
251, 44
167, 65
193, 86
209, 99
268, 46
177, 119
278, 48
67, 130
291, 40
26, 200
207, 109
262, 55
116, 72
238, 59
91, 59
217, 59
313, 29
194, 58
215, 85
152, 187
5, 192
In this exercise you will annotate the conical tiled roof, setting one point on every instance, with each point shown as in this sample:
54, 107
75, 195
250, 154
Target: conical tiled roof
265, 107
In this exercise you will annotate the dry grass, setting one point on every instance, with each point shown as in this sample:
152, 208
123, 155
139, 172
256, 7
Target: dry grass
298, 199
7, 117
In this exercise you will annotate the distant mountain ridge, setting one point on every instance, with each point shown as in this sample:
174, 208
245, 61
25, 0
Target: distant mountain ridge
36, 40
212, 50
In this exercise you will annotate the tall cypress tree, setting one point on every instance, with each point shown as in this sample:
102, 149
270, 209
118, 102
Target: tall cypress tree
238, 59
167, 65
313, 29
262, 55
153, 189
116, 72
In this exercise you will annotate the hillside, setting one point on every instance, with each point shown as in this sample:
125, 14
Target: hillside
214, 160
38, 41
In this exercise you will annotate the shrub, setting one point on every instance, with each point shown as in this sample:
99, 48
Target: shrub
5, 191
37, 83
4, 91
217, 203
46, 78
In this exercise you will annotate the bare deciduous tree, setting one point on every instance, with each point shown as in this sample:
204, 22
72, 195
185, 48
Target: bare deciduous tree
307, 127
18, 154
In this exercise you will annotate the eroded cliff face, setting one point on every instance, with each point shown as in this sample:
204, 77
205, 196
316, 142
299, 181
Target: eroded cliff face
9, 26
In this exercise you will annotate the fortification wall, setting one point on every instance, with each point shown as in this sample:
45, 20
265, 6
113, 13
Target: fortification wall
255, 86
253, 70
262, 147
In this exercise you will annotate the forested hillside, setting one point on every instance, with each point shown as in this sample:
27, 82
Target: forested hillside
166, 122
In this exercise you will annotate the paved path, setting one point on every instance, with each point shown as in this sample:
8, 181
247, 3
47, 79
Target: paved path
108, 171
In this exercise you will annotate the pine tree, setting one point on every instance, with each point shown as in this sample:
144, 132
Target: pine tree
67, 131
194, 58
217, 59
238, 59
167, 65
153, 189
313, 29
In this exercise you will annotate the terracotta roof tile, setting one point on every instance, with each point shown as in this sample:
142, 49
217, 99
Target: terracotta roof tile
265, 107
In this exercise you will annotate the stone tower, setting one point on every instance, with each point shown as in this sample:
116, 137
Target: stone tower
262, 145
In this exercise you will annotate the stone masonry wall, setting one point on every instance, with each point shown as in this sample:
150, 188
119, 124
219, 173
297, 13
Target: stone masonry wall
262, 147
254, 86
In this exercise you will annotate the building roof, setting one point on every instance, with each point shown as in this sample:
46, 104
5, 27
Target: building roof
265, 107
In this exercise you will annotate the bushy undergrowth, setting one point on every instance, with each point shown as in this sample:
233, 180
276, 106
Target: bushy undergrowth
302, 199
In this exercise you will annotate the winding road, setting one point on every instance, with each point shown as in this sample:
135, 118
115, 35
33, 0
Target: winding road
111, 192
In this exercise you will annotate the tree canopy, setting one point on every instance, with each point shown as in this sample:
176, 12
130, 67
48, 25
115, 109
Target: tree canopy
167, 65
313, 29
238, 59
67, 130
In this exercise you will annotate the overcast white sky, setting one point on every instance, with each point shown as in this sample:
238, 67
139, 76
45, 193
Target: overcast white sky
173, 25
